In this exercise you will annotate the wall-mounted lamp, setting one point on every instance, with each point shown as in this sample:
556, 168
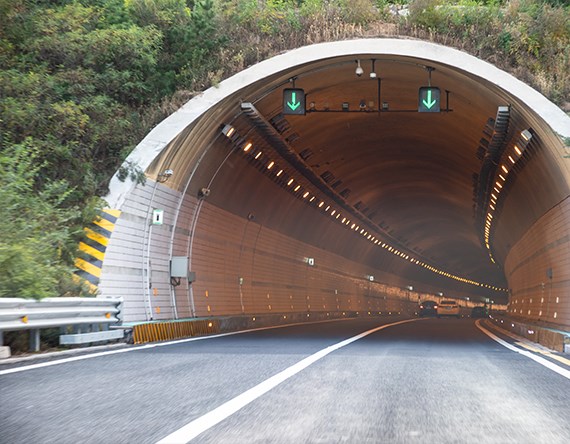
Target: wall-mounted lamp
373, 72
203, 193
359, 71
164, 176
345, 106
228, 131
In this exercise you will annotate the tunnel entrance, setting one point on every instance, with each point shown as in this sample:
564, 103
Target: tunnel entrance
369, 195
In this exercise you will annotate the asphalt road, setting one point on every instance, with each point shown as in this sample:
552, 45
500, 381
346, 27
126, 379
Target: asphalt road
425, 381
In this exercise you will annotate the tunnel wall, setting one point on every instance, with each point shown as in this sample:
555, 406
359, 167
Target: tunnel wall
536, 293
277, 277
127, 258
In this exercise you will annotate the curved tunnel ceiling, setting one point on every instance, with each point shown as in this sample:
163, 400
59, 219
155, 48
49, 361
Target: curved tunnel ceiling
412, 178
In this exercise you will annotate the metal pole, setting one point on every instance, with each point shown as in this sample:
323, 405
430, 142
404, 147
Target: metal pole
35, 340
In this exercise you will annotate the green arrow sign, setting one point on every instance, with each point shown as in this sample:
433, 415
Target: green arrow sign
294, 101
293, 105
429, 100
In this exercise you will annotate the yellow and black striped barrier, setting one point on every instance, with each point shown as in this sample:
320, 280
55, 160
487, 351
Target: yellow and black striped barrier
94, 248
169, 330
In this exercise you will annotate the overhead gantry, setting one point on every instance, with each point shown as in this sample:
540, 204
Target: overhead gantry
252, 206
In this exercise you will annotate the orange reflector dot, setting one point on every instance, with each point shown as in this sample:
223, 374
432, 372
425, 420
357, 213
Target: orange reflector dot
108, 315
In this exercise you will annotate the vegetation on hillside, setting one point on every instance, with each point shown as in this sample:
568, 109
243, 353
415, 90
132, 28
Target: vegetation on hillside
82, 81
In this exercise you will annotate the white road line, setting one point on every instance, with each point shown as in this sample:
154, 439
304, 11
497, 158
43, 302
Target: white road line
210, 419
143, 347
545, 362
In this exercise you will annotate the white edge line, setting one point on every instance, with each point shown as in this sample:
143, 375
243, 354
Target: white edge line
545, 362
213, 417
147, 346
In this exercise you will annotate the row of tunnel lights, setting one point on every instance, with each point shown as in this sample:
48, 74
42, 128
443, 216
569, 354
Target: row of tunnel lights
506, 166
248, 148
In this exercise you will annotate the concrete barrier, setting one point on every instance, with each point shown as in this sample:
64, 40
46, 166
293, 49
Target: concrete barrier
550, 338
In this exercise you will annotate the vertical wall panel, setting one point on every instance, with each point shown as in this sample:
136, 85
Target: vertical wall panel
542, 252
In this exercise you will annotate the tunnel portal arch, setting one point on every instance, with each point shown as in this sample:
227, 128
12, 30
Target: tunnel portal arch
414, 190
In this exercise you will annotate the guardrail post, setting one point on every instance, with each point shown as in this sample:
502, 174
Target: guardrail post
35, 340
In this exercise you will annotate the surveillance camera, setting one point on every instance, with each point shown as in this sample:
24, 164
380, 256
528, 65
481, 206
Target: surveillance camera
359, 71
204, 192
168, 173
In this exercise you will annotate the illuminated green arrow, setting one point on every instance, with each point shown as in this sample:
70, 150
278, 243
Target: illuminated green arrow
429, 102
295, 104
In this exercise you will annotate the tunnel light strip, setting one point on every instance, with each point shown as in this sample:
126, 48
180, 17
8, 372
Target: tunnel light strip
513, 157
301, 192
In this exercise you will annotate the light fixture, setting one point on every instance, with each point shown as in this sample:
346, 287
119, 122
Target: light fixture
373, 72
164, 176
526, 135
362, 104
359, 71
228, 131
345, 106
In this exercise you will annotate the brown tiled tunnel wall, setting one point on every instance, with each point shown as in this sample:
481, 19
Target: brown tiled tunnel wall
276, 276
544, 247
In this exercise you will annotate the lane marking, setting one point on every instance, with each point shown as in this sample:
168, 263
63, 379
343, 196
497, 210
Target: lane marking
545, 353
545, 362
210, 419
158, 344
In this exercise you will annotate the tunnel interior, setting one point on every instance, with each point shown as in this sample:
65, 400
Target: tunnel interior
360, 188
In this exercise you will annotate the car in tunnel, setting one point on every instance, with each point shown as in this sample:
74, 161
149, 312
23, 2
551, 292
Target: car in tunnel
448, 307
427, 308
479, 312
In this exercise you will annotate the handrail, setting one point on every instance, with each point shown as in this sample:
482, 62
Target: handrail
89, 317
24, 314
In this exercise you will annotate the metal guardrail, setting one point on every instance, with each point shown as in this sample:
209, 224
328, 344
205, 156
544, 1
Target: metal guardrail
84, 315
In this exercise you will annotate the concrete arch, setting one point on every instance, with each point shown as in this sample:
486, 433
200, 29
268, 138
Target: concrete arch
249, 250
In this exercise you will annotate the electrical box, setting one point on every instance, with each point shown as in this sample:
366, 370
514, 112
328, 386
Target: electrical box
179, 266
